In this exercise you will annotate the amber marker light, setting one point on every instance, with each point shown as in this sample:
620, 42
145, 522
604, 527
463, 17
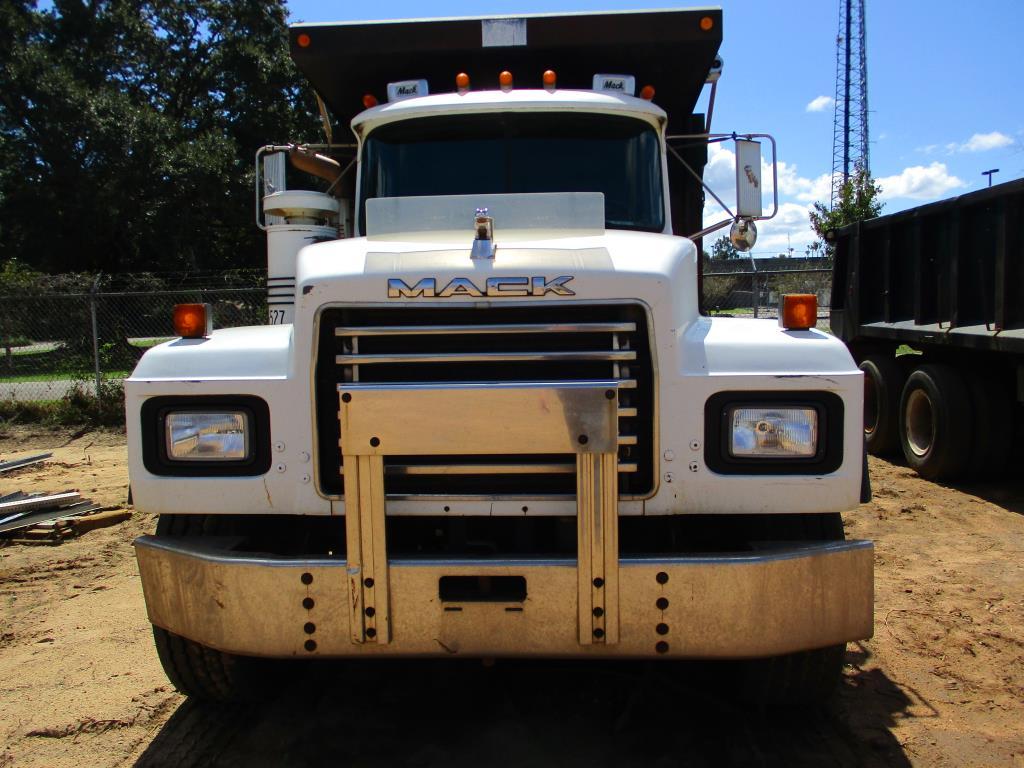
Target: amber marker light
550, 79
303, 40
707, 23
799, 311
505, 80
647, 92
462, 82
369, 100
193, 321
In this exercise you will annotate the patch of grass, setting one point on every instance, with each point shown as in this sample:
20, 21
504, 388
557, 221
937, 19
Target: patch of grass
903, 349
148, 343
79, 406
58, 376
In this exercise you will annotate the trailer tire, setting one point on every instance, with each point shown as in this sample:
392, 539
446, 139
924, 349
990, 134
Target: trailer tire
883, 383
194, 669
805, 678
935, 422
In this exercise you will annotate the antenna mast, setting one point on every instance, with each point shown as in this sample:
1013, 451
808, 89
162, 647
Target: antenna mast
850, 126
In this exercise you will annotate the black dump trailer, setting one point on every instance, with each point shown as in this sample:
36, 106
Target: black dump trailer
930, 302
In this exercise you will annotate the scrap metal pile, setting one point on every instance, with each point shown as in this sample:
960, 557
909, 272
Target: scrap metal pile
39, 518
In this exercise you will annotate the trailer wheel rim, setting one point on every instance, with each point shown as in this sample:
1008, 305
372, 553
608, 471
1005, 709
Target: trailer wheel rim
870, 405
920, 423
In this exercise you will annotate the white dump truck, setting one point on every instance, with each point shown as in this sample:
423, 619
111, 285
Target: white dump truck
488, 417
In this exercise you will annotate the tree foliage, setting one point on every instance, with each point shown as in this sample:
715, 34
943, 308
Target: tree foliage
723, 249
858, 200
128, 130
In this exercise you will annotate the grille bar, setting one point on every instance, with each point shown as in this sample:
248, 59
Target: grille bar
436, 330
437, 345
491, 469
486, 357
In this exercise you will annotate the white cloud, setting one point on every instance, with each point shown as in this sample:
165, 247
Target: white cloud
982, 142
979, 142
820, 104
920, 182
791, 228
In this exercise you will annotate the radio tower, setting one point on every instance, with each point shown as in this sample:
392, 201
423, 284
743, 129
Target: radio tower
850, 128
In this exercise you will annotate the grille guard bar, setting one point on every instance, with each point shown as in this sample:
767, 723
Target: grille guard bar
578, 418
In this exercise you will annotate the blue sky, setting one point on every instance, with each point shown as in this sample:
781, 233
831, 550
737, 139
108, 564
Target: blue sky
944, 90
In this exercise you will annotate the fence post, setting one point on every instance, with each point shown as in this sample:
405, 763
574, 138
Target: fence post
753, 283
95, 333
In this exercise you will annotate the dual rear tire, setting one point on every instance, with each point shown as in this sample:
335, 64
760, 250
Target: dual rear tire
948, 422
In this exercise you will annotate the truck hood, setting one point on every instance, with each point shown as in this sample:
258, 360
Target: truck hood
617, 265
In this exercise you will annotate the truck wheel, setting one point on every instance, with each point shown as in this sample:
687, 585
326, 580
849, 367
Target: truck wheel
883, 382
807, 678
993, 424
796, 680
205, 673
194, 669
935, 422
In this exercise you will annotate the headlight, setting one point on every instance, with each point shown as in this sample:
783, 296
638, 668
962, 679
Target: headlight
207, 435
773, 432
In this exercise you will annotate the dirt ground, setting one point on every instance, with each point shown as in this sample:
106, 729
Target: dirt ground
940, 684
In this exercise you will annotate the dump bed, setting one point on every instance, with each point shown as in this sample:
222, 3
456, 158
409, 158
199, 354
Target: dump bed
947, 274
671, 50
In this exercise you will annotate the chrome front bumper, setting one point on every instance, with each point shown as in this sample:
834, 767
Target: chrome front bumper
722, 606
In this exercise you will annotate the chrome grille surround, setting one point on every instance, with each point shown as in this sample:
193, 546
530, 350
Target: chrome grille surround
506, 341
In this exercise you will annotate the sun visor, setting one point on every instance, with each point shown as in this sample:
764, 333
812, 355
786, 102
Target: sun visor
516, 216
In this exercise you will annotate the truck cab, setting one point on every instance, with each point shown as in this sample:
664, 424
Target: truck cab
489, 418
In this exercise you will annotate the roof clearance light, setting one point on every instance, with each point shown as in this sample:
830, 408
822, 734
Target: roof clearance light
369, 100
193, 321
707, 23
799, 311
303, 40
625, 84
550, 80
462, 83
407, 89
505, 81
647, 92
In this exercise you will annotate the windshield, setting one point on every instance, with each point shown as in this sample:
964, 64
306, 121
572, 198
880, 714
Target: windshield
520, 152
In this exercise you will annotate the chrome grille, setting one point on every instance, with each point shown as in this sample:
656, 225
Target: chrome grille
469, 344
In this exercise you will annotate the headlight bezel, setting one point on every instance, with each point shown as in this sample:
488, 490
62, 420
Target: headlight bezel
718, 432
155, 411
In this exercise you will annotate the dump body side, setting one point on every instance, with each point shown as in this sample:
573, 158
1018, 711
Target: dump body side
948, 276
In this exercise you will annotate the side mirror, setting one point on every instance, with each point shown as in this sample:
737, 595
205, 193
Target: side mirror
748, 179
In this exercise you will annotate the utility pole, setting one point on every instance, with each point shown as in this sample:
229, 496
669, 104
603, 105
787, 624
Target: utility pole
989, 174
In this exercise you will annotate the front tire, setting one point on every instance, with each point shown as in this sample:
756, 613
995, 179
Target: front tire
208, 674
806, 678
196, 670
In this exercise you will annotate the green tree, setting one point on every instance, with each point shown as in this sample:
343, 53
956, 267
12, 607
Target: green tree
858, 200
128, 129
723, 249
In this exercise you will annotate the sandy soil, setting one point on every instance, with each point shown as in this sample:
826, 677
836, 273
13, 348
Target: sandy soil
940, 684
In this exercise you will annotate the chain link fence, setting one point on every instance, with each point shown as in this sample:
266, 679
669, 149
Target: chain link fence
54, 344
759, 293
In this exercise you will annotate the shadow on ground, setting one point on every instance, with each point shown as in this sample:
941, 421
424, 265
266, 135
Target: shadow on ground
429, 713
